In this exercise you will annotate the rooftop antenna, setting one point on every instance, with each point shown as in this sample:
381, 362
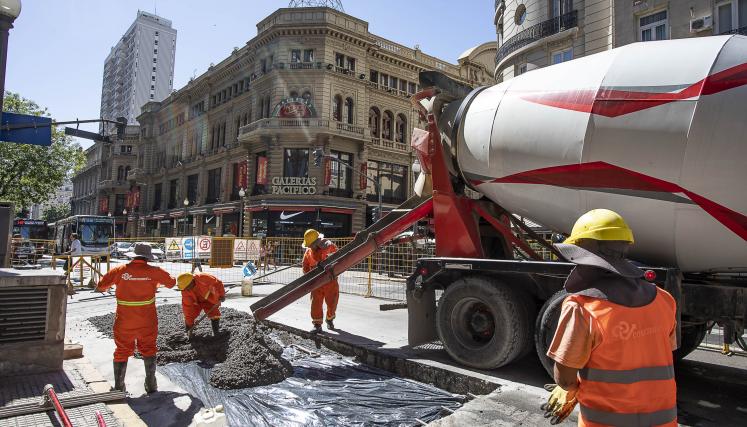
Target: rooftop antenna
155, 7
333, 4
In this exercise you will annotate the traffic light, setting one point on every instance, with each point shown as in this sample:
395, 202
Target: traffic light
374, 214
318, 156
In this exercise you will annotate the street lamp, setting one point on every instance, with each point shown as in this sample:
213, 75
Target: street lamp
109, 214
186, 203
242, 193
9, 11
124, 211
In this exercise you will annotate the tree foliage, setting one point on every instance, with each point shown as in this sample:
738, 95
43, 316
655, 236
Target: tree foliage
56, 212
29, 173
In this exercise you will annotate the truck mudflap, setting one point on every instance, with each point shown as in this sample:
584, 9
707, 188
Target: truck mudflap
365, 243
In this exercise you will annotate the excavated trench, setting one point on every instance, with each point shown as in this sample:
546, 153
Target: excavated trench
245, 354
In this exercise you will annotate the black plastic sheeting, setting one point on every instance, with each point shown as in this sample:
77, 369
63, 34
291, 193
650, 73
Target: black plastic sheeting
323, 391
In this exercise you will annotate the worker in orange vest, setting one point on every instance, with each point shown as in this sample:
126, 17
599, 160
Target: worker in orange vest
318, 249
200, 292
614, 341
136, 322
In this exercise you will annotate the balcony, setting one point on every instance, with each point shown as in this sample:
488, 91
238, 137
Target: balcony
537, 32
319, 125
389, 144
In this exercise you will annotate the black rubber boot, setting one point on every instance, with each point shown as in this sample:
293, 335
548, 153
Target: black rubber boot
330, 325
317, 329
151, 386
215, 323
120, 369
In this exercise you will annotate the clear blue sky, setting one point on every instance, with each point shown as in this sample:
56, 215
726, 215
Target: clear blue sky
57, 49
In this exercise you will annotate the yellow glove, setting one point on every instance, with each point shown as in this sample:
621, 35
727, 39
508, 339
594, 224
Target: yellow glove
560, 404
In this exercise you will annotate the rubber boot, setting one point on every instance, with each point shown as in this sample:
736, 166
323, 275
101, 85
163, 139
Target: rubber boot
330, 325
215, 323
317, 329
120, 369
151, 386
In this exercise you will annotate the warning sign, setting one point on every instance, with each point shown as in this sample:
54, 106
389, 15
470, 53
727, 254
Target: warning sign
173, 248
204, 243
239, 249
252, 248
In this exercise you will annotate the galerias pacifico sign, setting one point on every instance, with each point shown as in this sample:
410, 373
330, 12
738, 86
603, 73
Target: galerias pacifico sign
293, 185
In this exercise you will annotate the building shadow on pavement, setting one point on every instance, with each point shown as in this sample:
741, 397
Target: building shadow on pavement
165, 408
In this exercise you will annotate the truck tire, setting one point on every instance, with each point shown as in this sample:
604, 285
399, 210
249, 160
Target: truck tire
544, 330
483, 323
690, 339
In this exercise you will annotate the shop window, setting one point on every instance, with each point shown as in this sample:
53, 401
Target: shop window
337, 108
401, 128
374, 117
296, 162
386, 125
340, 185
349, 111
213, 190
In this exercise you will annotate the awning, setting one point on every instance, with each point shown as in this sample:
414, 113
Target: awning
198, 212
176, 214
222, 211
339, 210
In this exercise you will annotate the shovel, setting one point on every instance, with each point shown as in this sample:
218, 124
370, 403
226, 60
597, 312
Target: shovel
200, 318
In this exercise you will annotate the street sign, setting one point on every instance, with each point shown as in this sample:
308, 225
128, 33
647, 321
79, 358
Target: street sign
38, 132
86, 135
173, 248
188, 245
203, 246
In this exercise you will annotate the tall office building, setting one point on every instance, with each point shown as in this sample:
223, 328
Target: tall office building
139, 68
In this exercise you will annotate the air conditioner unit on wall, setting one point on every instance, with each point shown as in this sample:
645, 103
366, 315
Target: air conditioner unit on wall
701, 24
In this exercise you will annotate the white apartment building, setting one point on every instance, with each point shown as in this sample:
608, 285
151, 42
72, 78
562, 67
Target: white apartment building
139, 68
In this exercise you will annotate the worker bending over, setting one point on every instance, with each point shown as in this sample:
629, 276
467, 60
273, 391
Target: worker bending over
318, 249
613, 344
136, 321
201, 292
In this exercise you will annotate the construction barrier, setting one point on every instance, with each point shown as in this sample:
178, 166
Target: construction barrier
28, 252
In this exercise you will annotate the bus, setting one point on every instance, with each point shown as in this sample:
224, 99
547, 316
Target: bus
30, 229
94, 233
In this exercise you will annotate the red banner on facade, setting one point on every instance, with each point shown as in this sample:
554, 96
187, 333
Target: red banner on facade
136, 197
262, 170
363, 181
128, 203
327, 171
104, 205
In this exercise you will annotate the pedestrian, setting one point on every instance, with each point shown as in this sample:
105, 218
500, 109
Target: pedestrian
136, 321
615, 336
201, 292
75, 250
318, 249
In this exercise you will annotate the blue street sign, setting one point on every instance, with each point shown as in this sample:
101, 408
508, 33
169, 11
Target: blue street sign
40, 135
249, 269
188, 245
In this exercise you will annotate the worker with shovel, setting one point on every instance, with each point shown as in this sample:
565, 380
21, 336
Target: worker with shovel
613, 344
318, 249
201, 292
136, 322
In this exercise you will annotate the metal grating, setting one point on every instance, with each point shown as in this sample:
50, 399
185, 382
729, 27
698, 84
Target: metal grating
23, 314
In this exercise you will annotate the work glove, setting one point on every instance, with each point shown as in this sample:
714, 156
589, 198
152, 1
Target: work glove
221, 299
560, 404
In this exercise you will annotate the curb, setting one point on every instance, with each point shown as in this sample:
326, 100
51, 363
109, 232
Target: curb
450, 378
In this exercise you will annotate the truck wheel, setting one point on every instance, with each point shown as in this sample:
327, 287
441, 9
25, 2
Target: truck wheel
544, 330
690, 339
483, 323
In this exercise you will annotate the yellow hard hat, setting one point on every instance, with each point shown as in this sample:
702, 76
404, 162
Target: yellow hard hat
600, 224
310, 237
184, 280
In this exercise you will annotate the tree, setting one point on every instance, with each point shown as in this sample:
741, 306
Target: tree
56, 212
29, 173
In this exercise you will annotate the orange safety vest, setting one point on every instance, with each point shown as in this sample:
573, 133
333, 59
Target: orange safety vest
629, 378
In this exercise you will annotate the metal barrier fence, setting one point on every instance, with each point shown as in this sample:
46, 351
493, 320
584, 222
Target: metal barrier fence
277, 260
26, 252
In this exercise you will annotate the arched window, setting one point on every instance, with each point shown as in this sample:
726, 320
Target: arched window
401, 128
120, 173
349, 112
307, 96
294, 94
386, 125
267, 106
126, 172
374, 118
337, 108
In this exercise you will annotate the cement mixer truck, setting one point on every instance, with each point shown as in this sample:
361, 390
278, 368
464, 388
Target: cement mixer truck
654, 131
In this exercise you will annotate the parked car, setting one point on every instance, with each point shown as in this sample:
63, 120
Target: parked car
156, 250
120, 248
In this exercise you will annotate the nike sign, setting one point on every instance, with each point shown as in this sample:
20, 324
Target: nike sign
284, 216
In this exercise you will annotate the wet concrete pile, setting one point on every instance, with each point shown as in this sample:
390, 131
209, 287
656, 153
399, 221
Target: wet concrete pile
244, 354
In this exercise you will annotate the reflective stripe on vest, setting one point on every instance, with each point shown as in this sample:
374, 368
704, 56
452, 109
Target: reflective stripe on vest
136, 303
633, 420
628, 376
